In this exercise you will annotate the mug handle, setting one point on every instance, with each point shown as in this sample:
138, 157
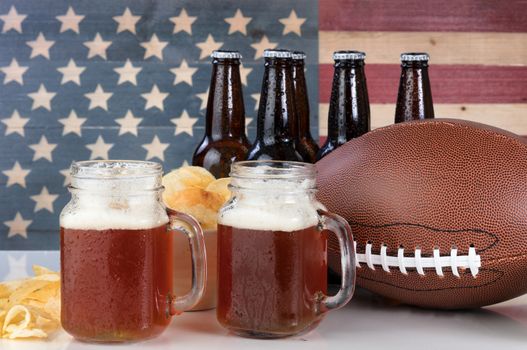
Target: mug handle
341, 228
190, 226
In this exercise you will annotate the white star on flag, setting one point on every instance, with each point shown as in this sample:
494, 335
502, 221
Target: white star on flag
127, 73
128, 124
98, 98
184, 123
247, 122
154, 98
99, 149
183, 22
40, 46
16, 267
261, 46
70, 21
12, 20
183, 73
208, 46
72, 124
42, 98
16, 175
155, 149
204, 96
292, 24
15, 124
17, 226
97, 47
126, 21
66, 174
238, 23
71, 72
44, 200
256, 98
244, 72
154, 47
43, 149
14, 72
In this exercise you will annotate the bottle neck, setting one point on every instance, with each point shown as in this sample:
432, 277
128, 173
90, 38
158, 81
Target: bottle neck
414, 99
225, 116
301, 98
349, 109
276, 113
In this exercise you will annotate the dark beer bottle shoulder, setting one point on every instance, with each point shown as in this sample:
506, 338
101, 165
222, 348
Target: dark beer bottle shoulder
308, 148
217, 156
277, 151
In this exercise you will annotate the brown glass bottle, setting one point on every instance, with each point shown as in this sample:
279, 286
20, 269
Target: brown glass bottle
349, 107
225, 141
306, 146
414, 100
276, 126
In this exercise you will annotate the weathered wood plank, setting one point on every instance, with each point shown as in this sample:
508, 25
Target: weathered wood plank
423, 15
498, 49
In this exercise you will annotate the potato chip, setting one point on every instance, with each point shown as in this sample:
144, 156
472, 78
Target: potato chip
41, 270
187, 177
221, 186
31, 285
30, 308
18, 317
201, 204
6, 288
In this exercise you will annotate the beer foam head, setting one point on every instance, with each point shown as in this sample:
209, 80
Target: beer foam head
114, 195
271, 199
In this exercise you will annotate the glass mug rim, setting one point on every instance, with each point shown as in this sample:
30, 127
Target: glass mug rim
272, 169
114, 169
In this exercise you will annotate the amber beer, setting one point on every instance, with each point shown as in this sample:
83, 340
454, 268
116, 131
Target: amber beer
107, 271
272, 285
224, 141
414, 99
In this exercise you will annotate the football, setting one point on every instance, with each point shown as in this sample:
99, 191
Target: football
438, 211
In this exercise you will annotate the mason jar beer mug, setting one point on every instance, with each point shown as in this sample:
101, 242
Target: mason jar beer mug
116, 245
272, 252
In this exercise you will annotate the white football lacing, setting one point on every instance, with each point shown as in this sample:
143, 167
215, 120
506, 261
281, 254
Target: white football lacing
471, 261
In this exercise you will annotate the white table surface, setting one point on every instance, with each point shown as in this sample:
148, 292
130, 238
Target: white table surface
367, 322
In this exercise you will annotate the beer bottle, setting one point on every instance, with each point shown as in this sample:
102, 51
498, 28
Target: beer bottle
225, 141
349, 107
307, 147
414, 100
276, 124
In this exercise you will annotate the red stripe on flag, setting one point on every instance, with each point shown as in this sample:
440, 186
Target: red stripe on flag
450, 83
423, 15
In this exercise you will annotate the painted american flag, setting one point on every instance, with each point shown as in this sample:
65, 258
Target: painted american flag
118, 79
128, 79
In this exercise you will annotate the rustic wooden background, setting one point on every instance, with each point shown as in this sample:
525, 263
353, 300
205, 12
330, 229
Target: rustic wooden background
478, 49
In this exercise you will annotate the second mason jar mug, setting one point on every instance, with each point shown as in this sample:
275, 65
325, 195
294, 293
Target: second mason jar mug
116, 253
272, 252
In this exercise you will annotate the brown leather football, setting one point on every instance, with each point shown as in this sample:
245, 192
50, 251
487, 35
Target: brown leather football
438, 210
